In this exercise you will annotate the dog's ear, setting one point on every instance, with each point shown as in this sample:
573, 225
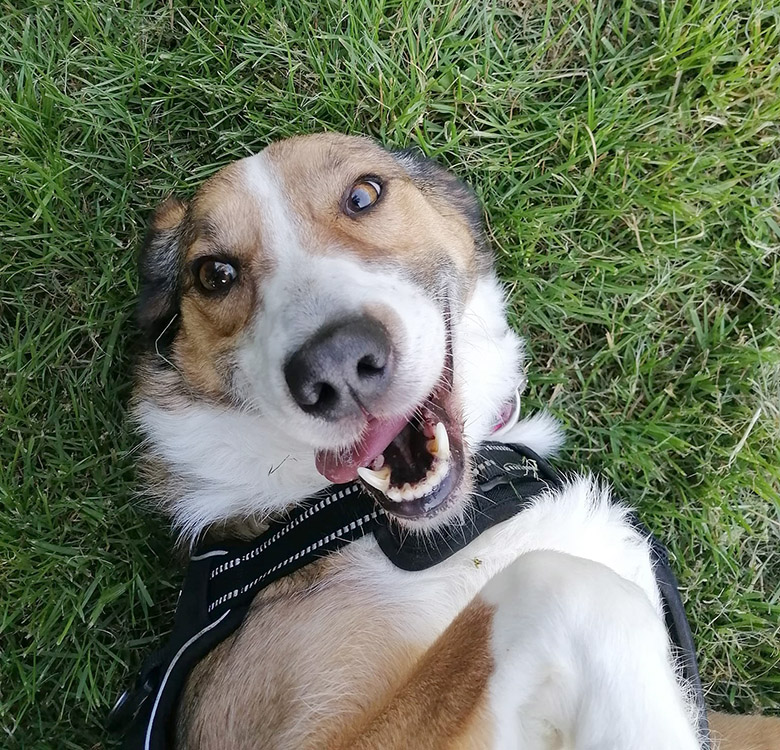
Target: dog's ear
448, 193
159, 272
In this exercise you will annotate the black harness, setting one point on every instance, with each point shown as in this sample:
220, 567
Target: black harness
222, 580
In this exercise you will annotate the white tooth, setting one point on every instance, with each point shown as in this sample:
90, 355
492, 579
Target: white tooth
380, 480
440, 470
394, 494
442, 442
407, 493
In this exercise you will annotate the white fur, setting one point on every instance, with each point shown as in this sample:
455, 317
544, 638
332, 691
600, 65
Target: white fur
582, 661
541, 432
246, 466
580, 520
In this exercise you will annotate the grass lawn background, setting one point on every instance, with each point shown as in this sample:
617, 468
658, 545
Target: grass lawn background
628, 154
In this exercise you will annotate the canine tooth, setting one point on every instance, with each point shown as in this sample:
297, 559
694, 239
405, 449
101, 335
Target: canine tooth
442, 442
379, 480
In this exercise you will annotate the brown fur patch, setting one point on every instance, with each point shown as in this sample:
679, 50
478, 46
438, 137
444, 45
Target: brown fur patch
224, 223
298, 666
408, 225
443, 704
744, 732
169, 214
271, 685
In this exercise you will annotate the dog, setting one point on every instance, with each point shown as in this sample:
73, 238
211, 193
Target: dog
327, 311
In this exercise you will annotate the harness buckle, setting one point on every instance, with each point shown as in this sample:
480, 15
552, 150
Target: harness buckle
127, 706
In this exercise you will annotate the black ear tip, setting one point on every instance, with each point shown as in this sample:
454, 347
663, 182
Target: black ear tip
159, 273
156, 312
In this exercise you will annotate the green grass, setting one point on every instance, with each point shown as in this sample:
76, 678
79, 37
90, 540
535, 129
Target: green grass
628, 154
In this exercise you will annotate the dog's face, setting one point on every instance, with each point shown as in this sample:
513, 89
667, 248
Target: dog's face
322, 311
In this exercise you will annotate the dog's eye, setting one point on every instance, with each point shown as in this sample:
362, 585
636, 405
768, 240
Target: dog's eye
215, 275
362, 195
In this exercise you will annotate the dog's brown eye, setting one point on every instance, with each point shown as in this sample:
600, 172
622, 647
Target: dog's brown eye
362, 195
215, 275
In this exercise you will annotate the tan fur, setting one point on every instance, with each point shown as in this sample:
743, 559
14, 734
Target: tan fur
443, 703
744, 732
273, 676
406, 225
169, 214
374, 690
222, 222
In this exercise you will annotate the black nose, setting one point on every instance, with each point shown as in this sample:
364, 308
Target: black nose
343, 368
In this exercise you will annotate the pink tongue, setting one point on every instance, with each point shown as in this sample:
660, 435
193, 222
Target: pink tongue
341, 466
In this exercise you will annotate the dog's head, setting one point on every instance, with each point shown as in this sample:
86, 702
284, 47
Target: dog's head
321, 311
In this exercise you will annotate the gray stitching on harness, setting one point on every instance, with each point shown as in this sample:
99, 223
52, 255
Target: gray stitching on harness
308, 513
349, 527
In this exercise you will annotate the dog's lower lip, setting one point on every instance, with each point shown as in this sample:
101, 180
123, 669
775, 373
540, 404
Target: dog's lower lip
429, 504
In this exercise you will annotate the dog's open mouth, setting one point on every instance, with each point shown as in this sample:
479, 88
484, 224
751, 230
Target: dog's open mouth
411, 466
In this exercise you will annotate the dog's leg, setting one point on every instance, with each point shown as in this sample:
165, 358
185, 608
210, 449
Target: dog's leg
582, 659
744, 732
555, 652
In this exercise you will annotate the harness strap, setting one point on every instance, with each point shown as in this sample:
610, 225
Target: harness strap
507, 478
678, 628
